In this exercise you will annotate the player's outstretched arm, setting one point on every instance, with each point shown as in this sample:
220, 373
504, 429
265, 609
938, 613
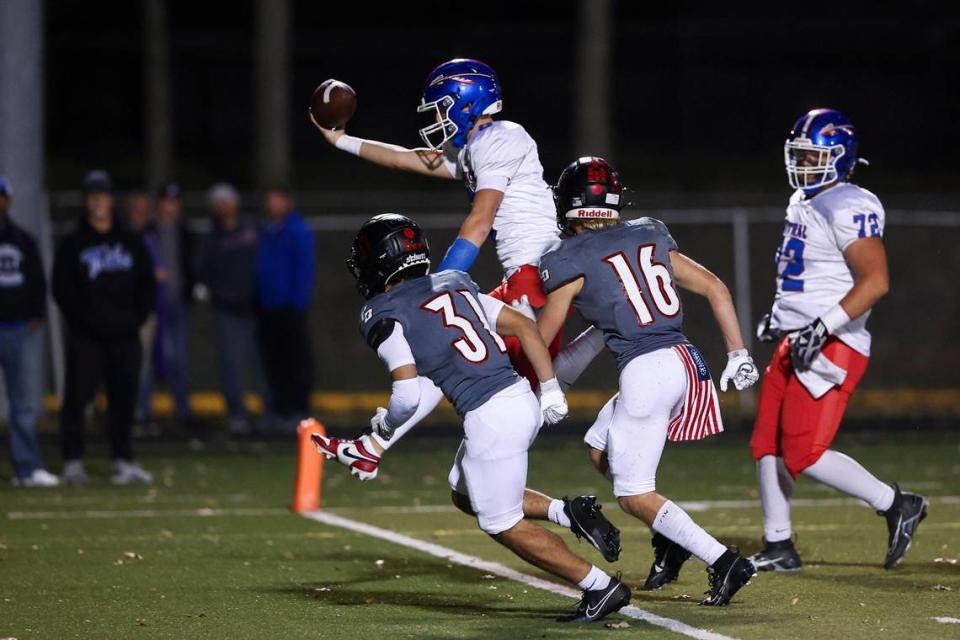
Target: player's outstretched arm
424, 161
553, 404
555, 312
694, 277
473, 232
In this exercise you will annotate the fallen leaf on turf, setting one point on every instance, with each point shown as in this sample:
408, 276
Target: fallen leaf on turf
862, 604
127, 558
35, 547
141, 622
492, 587
323, 589
945, 560
617, 625
795, 601
681, 596
379, 563
941, 587
488, 576
3, 547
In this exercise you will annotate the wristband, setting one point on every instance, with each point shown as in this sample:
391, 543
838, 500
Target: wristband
349, 144
459, 256
834, 318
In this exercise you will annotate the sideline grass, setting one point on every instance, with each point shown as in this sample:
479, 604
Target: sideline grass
221, 558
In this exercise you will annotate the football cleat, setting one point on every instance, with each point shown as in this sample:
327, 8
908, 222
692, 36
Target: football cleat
668, 557
354, 454
587, 521
903, 518
599, 603
730, 573
777, 556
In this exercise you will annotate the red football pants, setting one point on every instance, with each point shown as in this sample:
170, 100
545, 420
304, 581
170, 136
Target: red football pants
525, 282
790, 422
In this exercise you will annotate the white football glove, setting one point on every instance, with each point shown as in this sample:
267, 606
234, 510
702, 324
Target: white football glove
740, 369
553, 404
522, 305
379, 424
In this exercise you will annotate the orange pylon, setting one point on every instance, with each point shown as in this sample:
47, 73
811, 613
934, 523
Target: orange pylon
308, 481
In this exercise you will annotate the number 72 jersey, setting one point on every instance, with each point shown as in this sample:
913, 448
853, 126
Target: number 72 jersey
628, 290
812, 273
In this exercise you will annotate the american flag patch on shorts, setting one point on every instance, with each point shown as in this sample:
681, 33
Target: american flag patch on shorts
699, 416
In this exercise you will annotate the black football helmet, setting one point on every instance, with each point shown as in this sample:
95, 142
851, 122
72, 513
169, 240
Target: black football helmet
588, 189
386, 246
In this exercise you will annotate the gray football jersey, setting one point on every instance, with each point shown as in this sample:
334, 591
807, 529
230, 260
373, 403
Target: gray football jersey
448, 334
628, 290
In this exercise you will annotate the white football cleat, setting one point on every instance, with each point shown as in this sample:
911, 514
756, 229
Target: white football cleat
354, 454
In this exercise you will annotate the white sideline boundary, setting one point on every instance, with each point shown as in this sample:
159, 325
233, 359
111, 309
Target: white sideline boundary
503, 571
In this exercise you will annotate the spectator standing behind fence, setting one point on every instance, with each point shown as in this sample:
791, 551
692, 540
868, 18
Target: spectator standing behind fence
285, 275
227, 267
176, 279
138, 213
104, 283
23, 293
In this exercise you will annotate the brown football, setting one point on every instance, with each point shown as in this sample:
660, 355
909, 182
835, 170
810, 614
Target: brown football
333, 104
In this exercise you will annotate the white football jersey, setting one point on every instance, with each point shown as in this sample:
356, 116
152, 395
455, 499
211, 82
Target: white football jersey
812, 274
502, 156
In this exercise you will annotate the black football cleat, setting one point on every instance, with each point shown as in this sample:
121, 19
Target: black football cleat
903, 518
587, 521
777, 556
668, 557
597, 604
730, 573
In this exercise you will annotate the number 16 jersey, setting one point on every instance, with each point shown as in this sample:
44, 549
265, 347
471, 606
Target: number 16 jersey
812, 273
628, 290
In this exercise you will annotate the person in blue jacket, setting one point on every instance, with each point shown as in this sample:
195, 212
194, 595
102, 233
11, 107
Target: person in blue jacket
285, 277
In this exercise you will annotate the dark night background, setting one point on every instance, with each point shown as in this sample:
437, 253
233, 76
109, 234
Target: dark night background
704, 93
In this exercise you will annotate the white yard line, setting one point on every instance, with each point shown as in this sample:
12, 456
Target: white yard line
204, 512
498, 569
692, 505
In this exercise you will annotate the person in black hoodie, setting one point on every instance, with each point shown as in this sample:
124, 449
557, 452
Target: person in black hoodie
23, 299
104, 284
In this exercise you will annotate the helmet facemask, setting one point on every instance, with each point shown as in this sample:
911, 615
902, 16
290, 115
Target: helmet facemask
442, 129
807, 176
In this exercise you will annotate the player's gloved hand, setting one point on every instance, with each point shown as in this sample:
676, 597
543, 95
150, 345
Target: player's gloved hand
741, 369
522, 305
379, 424
553, 404
764, 332
805, 344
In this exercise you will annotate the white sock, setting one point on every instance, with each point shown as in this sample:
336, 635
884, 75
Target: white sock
577, 355
557, 514
674, 523
430, 396
843, 473
596, 579
776, 489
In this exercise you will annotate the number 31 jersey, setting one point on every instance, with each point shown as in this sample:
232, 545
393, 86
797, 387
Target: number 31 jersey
450, 337
628, 290
812, 274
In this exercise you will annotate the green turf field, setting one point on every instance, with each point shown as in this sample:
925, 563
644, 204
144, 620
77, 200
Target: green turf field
212, 552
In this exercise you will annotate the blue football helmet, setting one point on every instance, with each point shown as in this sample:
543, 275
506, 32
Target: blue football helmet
820, 150
458, 92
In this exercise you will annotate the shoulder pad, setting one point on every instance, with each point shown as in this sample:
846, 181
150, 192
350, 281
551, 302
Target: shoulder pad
380, 331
